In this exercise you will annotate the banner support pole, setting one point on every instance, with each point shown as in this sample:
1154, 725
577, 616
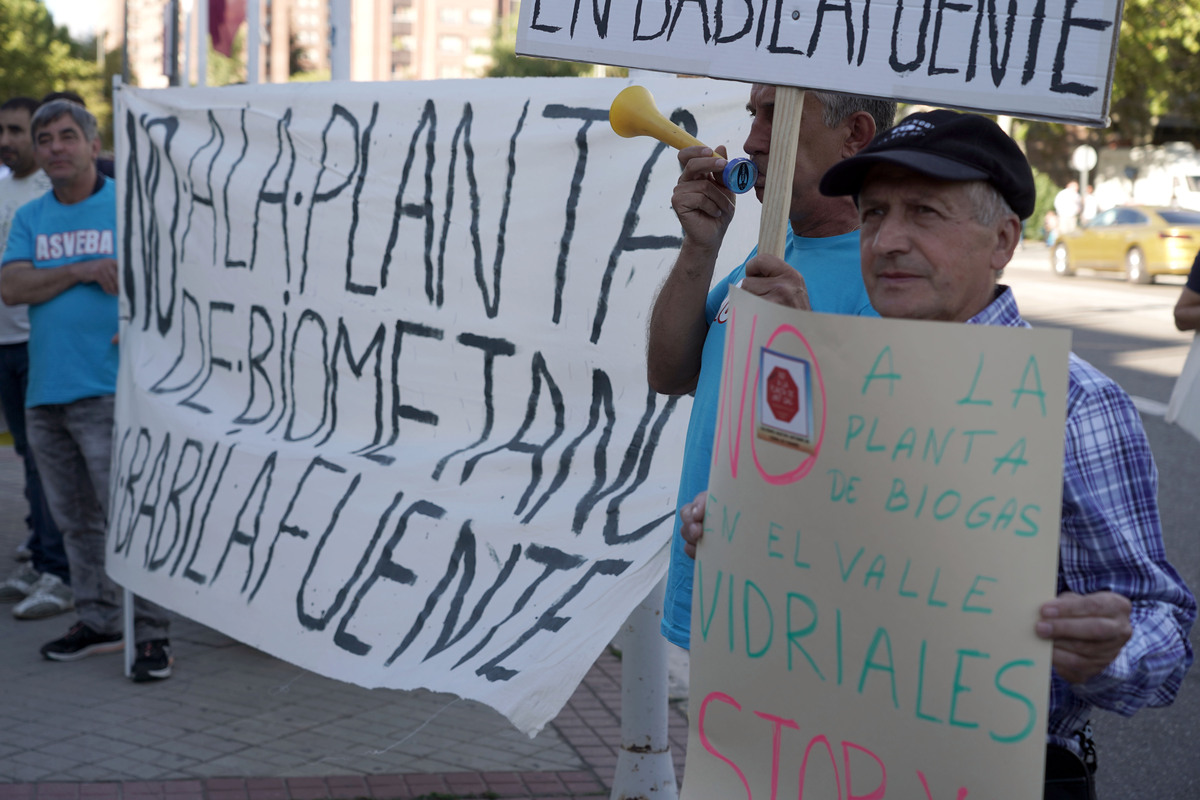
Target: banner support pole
202, 41
253, 41
777, 191
339, 40
644, 768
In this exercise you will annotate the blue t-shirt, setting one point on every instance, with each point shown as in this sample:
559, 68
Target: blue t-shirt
71, 352
830, 267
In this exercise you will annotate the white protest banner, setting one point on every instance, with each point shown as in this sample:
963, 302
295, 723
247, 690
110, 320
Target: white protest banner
382, 408
1050, 59
882, 526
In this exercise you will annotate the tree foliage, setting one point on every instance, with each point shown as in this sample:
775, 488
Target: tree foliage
226, 70
507, 64
37, 57
1156, 72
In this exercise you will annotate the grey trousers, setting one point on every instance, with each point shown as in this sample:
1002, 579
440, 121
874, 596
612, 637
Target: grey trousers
72, 444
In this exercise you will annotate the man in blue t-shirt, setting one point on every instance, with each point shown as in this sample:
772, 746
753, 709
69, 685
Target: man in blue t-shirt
60, 261
820, 272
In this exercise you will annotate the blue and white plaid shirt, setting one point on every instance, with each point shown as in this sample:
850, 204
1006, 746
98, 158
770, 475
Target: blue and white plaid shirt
1112, 541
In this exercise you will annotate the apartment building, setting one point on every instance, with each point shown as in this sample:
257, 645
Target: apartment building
390, 39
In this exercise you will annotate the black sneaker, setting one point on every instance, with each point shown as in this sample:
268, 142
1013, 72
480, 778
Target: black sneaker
82, 641
153, 661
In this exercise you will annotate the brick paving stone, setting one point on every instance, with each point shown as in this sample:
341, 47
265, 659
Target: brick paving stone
144, 788
501, 783
344, 783
224, 784
182, 787
424, 784
265, 783
297, 783
465, 782
542, 781
229, 794
267, 794
308, 792
583, 785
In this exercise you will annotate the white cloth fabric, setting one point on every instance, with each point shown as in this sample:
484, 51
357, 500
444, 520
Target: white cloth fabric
1184, 406
14, 193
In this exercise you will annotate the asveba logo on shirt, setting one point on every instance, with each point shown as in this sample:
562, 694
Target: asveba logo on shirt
74, 243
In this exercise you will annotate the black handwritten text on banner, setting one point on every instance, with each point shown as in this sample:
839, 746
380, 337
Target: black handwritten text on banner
382, 407
1039, 58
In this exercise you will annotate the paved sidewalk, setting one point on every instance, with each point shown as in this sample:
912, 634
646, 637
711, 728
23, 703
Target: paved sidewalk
233, 723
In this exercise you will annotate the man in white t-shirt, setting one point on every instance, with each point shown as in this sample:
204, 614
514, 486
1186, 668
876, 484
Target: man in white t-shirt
41, 587
1067, 204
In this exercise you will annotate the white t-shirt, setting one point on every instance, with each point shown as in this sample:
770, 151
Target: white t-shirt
14, 193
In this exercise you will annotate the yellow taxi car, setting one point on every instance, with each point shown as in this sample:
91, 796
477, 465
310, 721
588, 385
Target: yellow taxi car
1141, 241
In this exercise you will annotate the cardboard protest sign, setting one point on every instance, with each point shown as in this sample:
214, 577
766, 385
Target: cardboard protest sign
1050, 59
382, 408
882, 525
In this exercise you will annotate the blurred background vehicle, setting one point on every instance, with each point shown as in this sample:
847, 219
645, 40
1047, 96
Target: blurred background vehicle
1152, 175
1141, 241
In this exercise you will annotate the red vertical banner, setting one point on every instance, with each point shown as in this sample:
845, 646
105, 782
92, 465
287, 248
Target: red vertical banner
224, 18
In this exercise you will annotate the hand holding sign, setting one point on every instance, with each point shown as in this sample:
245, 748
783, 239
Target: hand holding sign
1088, 631
692, 529
772, 278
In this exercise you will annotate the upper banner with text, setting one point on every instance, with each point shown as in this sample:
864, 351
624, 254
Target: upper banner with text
382, 408
1048, 59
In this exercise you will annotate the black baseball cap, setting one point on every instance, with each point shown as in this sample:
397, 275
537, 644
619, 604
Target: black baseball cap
948, 145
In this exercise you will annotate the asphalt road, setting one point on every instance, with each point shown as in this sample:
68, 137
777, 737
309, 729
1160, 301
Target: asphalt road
1127, 331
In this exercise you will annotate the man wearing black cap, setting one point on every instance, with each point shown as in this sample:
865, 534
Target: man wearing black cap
956, 188
941, 198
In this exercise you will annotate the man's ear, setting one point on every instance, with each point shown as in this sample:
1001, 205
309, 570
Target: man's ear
1008, 236
860, 131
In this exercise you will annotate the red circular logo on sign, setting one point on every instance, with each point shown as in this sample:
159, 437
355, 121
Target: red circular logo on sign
782, 394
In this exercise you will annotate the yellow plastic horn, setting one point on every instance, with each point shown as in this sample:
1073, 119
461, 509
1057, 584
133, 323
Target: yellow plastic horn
633, 113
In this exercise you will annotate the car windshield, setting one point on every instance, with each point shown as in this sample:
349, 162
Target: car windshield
1181, 217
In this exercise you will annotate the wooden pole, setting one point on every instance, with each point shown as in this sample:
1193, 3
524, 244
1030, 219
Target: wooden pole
777, 191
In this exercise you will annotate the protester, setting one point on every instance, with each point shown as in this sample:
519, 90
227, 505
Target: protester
687, 332
105, 164
1089, 205
41, 586
941, 198
1050, 225
1067, 204
60, 261
1187, 307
